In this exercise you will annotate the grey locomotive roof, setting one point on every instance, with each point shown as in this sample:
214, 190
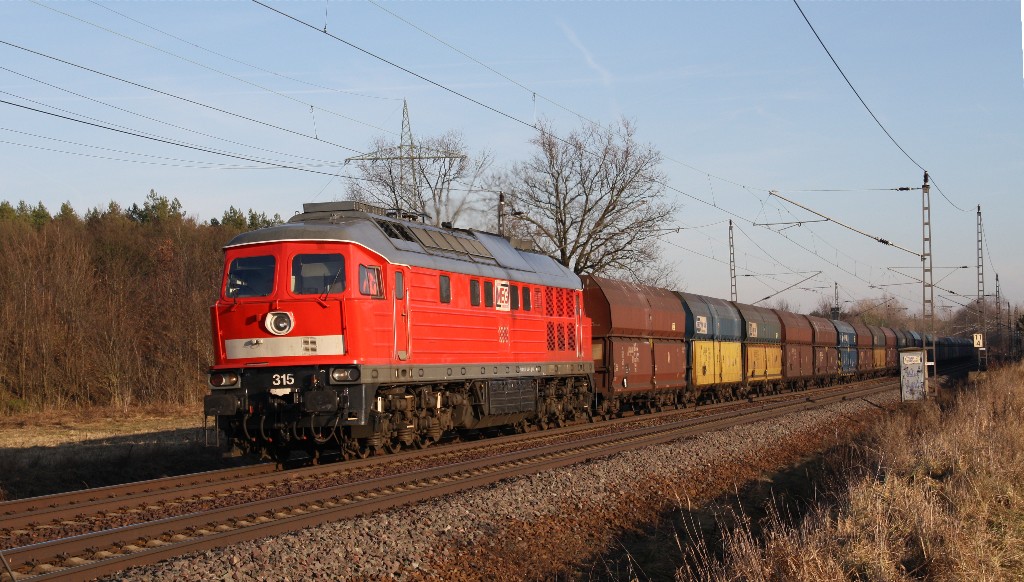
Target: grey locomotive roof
470, 252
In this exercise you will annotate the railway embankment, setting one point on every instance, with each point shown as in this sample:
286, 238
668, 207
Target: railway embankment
932, 491
561, 523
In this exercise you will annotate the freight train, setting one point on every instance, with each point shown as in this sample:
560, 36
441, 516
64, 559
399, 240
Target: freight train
356, 330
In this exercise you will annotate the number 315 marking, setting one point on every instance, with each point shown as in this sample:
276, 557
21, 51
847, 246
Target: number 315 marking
283, 379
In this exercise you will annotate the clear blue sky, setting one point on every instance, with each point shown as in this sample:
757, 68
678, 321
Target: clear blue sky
741, 91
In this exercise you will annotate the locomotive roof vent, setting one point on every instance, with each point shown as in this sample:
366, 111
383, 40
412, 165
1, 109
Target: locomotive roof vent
312, 211
524, 244
342, 206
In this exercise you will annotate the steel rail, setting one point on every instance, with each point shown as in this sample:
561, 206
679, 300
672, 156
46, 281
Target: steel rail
151, 542
34, 508
64, 506
153, 500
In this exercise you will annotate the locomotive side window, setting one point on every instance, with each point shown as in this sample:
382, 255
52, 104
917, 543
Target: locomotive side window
446, 289
526, 298
474, 293
250, 277
399, 285
318, 274
488, 293
370, 282
515, 297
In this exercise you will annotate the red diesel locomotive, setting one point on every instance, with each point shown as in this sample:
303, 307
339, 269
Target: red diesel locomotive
352, 330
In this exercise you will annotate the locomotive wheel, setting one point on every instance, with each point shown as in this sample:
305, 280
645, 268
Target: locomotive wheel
280, 454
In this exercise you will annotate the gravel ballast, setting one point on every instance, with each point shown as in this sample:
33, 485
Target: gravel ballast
532, 527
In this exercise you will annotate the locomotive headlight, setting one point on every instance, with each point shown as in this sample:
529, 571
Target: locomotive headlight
221, 380
339, 375
279, 322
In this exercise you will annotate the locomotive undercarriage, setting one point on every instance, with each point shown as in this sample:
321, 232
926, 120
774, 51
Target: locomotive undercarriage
617, 406
403, 416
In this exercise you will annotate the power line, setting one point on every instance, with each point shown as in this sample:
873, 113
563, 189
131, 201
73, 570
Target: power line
668, 186
130, 112
90, 146
846, 226
862, 102
533, 92
518, 120
166, 141
396, 65
173, 96
854, 89
208, 68
241, 62
129, 130
188, 163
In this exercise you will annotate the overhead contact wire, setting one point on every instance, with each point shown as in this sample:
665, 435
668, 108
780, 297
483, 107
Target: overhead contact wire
173, 96
208, 68
147, 117
862, 102
166, 141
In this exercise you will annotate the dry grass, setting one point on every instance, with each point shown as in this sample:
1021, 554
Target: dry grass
50, 453
933, 492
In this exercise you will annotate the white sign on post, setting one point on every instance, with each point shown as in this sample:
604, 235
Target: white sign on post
913, 381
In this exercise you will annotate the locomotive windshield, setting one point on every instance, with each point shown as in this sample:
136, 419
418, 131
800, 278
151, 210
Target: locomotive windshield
318, 274
250, 277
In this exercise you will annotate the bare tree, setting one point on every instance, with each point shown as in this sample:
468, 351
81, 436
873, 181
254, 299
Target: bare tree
824, 308
593, 200
433, 177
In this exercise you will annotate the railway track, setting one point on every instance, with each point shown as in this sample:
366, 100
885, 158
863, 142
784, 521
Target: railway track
95, 532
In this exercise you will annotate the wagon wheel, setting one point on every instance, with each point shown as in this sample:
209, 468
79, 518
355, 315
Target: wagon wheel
314, 454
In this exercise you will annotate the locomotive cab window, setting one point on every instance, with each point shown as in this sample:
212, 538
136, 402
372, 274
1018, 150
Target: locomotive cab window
488, 293
474, 293
318, 274
399, 285
446, 289
514, 295
526, 298
250, 277
370, 282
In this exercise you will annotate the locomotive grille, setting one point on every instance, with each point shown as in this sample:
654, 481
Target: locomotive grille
511, 396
